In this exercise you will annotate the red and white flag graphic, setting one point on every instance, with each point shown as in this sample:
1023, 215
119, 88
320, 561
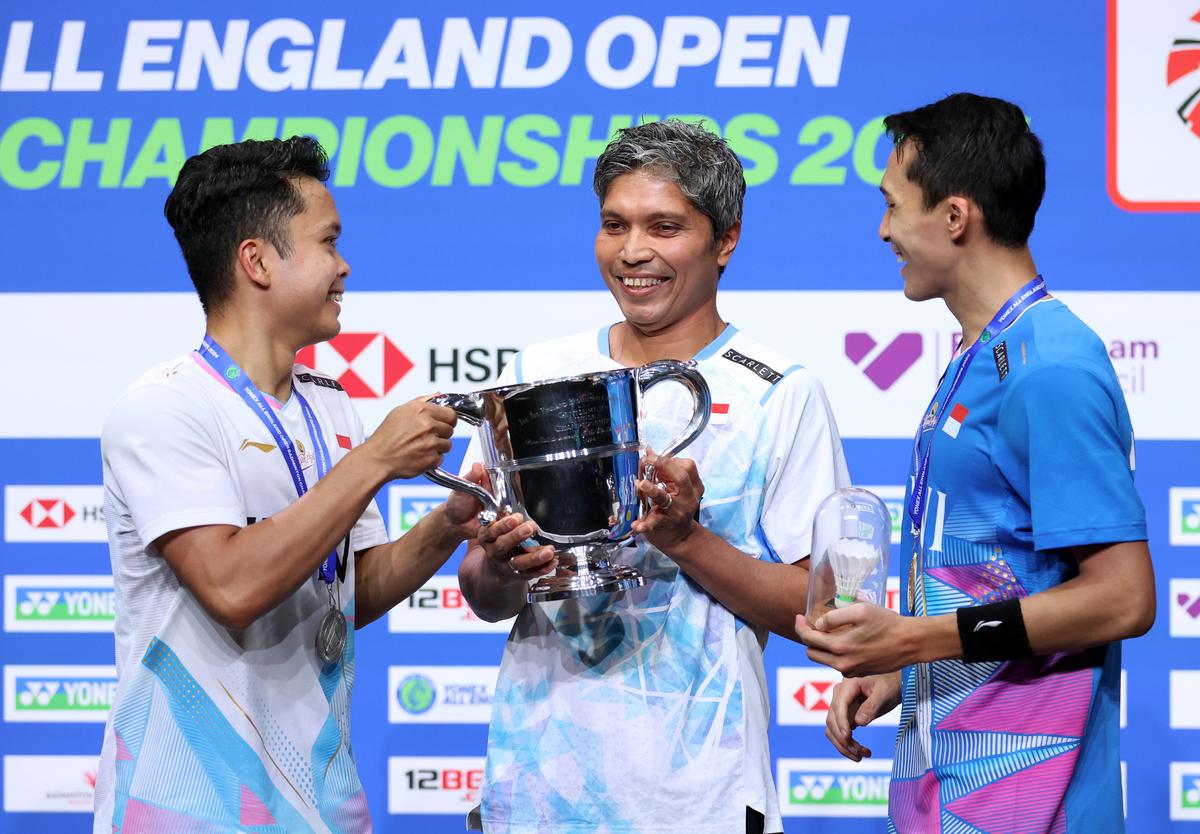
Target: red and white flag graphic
955, 420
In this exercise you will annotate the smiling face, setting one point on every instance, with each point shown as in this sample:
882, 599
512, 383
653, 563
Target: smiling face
656, 254
922, 239
307, 285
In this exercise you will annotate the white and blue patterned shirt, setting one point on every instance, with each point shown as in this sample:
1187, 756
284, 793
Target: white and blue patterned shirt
648, 710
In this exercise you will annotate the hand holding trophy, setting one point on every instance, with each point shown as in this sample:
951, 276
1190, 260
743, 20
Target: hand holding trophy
852, 533
564, 453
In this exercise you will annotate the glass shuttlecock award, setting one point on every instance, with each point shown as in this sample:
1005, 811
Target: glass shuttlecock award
852, 533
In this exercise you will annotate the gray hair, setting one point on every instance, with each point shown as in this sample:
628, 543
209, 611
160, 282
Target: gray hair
707, 172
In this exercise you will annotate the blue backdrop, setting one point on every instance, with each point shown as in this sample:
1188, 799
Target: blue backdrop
464, 189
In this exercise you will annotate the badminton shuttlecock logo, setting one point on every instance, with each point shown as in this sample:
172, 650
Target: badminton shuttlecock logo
852, 561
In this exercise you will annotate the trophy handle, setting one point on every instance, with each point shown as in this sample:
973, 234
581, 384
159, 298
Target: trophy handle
469, 407
685, 374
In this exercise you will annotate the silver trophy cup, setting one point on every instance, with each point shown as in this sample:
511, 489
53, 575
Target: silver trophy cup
564, 453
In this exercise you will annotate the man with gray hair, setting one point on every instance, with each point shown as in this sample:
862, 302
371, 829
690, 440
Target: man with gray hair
647, 711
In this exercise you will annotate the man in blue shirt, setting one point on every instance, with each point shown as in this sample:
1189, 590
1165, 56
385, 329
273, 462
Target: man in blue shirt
1026, 540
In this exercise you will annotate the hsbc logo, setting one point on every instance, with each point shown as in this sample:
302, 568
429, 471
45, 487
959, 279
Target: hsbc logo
59, 603
367, 365
1154, 105
434, 784
804, 694
54, 514
59, 694
439, 607
833, 787
1185, 607
883, 364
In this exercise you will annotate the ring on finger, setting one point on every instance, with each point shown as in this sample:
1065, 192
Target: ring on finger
516, 571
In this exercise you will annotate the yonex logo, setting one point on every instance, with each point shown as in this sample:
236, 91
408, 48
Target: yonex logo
884, 366
1190, 520
59, 603
834, 787
1185, 790
412, 510
58, 693
1185, 516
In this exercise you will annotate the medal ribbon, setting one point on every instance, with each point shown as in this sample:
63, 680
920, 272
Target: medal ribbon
1018, 303
220, 361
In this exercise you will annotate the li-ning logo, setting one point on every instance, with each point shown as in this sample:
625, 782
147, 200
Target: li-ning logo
367, 365
886, 365
986, 624
1184, 61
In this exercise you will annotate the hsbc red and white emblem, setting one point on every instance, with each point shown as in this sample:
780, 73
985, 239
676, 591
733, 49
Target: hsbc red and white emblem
54, 513
367, 365
805, 694
47, 512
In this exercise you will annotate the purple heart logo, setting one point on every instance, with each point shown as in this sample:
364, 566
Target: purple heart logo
1190, 605
890, 363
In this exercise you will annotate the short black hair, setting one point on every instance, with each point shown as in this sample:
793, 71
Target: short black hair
230, 193
980, 148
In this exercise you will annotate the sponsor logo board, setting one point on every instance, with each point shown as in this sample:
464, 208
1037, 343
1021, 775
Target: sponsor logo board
409, 503
49, 784
434, 784
59, 603
1184, 600
804, 696
1154, 105
1185, 516
833, 787
48, 513
441, 694
1185, 699
440, 607
59, 694
1185, 791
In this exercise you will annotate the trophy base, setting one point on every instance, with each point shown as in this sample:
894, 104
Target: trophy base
584, 572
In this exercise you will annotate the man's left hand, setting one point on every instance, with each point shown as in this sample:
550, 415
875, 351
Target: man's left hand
673, 497
861, 639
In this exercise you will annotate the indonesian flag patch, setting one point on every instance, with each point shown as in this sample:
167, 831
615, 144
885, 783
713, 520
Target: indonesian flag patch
955, 420
720, 414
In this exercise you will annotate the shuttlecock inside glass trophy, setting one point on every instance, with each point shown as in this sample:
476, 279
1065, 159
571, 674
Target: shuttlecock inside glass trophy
852, 533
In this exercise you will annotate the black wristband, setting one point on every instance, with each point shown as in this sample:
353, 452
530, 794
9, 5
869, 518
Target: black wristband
993, 632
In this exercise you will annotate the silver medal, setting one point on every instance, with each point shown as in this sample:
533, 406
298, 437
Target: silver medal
331, 636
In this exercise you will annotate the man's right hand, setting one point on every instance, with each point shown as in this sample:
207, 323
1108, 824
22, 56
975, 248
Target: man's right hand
413, 438
856, 703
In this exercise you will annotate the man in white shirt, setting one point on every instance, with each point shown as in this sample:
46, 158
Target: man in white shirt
245, 544
648, 710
